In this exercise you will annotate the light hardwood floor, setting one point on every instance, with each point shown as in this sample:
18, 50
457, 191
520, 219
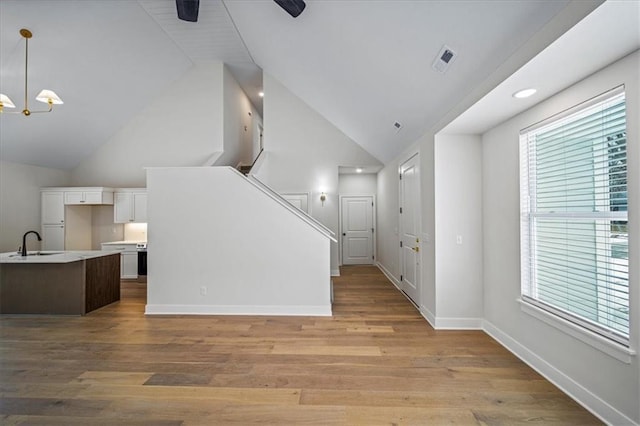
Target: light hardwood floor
375, 362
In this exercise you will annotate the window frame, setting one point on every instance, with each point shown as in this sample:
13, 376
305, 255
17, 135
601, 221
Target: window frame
579, 326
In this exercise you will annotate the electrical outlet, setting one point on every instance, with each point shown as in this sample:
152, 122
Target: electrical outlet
459, 240
203, 291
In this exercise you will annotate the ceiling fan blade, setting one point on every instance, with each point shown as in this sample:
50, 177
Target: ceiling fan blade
293, 7
188, 10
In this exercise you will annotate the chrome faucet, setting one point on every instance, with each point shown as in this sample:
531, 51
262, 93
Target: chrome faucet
24, 241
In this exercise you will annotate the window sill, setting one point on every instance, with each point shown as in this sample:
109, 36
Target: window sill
619, 352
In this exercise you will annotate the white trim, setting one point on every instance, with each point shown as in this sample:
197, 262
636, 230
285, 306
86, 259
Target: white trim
598, 342
579, 393
388, 274
284, 194
428, 315
297, 310
420, 277
444, 323
576, 109
258, 184
374, 219
335, 272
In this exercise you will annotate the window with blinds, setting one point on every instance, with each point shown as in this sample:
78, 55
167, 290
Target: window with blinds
574, 235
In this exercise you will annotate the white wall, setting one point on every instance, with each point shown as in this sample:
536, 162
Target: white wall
388, 241
203, 232
458, 202
103, 229
183, 126
358, 184
387, 202
608, 386
77, 229
304, 153
240, 121
20, 201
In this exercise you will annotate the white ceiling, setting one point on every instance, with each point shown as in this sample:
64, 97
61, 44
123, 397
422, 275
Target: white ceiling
365, 64
610, 32
361, 64
105, 59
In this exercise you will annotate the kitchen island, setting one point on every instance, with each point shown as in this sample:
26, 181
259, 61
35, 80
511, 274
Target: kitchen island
58, 283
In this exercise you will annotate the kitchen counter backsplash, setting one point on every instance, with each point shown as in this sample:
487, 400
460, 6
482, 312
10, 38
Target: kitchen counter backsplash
136, 232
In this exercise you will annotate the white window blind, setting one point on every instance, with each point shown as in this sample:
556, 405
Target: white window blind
574, 235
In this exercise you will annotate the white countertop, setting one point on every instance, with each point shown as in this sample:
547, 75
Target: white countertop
123, 242
53, 256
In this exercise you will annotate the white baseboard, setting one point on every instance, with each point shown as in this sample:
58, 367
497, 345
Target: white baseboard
388, 274
309, 310
428, 315
335, 272
458, 323
580, 394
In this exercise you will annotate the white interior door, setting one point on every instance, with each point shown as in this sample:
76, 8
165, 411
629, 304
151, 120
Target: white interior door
299, 200
410, 228
357, 230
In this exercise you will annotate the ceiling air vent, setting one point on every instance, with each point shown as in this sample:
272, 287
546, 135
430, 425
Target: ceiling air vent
444, 59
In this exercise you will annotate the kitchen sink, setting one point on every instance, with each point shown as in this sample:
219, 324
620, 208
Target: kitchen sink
39, 253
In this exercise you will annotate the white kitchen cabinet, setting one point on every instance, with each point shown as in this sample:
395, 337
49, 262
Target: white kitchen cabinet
130, 206
52, 207
52, 237
140, 207
128, 258
129, 263
89, 196
52, 220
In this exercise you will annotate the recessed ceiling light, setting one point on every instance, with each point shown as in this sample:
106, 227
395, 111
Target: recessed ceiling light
261, 94
525, 93
358, 170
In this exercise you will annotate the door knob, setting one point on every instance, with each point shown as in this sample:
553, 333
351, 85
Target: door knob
416, 249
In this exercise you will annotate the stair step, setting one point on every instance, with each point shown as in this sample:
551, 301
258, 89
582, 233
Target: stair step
244, 169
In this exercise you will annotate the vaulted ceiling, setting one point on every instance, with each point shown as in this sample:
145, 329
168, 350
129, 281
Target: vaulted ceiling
363, 65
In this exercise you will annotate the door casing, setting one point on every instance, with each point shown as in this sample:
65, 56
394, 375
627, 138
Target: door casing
410, 238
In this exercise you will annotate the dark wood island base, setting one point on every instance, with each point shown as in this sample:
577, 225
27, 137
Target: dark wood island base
73, 288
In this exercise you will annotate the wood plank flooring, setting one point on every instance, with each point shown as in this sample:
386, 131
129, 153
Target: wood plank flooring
375, 362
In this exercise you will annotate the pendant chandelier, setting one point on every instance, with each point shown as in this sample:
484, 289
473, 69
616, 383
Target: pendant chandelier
47, 96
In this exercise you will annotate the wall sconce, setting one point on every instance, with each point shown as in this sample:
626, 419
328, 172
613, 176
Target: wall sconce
323, 198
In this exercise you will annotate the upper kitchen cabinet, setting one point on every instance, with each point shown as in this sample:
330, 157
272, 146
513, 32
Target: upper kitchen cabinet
52, 207
88, 196
130, 205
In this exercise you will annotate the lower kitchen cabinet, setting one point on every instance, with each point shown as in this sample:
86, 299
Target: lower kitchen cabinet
128, 259
129, 265
52, 237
